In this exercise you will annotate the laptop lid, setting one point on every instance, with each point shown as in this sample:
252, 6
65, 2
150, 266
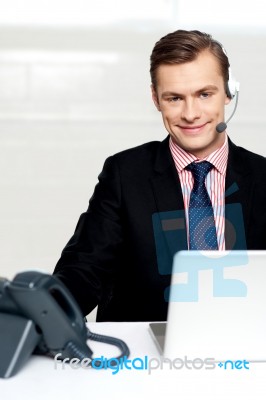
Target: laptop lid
217, 304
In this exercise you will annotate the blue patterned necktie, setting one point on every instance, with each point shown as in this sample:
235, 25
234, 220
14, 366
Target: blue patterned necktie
202, 231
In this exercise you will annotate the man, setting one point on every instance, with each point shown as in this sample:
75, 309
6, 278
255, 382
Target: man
141, 211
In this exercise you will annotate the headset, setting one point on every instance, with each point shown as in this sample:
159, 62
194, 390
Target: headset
232, 90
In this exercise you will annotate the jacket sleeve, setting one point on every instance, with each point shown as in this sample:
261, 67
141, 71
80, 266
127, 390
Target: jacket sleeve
88, 262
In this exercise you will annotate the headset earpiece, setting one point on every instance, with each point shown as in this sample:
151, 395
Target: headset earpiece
232, 86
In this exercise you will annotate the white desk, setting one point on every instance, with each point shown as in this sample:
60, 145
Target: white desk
39, 379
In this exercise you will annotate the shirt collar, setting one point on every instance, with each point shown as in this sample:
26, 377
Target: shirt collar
183, 158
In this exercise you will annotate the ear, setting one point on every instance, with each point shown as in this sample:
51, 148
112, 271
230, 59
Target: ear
155, 97
227, 100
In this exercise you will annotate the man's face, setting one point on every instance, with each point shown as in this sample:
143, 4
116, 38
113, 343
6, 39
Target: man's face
191, 98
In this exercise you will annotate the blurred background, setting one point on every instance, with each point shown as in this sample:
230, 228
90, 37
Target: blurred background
75, 88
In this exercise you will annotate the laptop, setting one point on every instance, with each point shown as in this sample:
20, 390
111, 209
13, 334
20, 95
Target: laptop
217, 307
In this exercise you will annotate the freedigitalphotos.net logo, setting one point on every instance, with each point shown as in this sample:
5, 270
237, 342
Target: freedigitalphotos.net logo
148, 364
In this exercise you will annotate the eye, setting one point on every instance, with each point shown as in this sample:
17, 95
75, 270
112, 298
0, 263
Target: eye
205, 95
174, 99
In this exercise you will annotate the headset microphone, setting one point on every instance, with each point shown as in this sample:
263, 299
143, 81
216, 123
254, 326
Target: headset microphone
221, 127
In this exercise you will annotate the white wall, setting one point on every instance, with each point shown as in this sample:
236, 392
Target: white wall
69, 97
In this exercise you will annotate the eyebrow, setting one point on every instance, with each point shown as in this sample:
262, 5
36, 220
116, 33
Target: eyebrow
204, 89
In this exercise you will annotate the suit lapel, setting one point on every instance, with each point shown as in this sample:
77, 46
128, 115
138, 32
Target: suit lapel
169, 223
165, 181
238, 195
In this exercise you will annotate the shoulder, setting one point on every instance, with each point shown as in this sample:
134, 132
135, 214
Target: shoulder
247, 159
142, 150
139, 157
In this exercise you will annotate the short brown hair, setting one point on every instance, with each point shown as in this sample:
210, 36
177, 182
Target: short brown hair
183, 46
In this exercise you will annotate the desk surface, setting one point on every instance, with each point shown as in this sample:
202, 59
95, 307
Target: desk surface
41, 378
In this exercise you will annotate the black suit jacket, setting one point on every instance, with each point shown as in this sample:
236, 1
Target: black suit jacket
113, 260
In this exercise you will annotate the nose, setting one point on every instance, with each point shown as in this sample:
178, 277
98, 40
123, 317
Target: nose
191, 110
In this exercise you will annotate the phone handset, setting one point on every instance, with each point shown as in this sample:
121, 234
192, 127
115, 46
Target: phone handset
57, 325
43, 299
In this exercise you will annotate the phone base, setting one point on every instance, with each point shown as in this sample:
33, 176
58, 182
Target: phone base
18, 339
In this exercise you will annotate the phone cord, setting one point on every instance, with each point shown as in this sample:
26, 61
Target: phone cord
103, 339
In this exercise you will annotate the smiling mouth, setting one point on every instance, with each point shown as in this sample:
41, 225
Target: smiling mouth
192, 128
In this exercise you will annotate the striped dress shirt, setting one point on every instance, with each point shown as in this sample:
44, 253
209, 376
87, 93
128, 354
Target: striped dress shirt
215, 183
